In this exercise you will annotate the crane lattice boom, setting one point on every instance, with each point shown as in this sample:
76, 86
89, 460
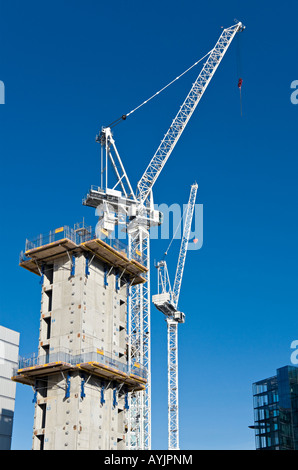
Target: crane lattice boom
184, 114
184, 244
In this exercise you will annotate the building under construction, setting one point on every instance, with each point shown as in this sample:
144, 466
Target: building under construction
80, 375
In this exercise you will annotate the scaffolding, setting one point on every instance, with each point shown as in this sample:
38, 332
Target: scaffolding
66, 240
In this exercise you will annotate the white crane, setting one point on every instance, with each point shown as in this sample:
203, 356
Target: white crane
120, 205
167, 302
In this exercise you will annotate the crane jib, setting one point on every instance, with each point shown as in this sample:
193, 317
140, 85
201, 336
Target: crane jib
185, 112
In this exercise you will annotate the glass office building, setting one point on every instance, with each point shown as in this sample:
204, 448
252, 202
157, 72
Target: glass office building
276, 410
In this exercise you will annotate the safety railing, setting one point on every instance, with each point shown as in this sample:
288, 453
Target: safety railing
79, 234
36, 360
75, 235
92, 356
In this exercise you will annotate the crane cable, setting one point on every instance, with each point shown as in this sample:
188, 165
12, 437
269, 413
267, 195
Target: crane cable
239, 69
124, 116
175, 79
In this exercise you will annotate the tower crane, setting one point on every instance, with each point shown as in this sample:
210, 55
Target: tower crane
166, 301
135, 211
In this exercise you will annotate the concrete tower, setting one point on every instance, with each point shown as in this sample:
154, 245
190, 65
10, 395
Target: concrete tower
81, 375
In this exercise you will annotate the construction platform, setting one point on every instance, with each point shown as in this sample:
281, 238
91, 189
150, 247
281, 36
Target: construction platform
28, 375
134, 381
110, 255
67, 241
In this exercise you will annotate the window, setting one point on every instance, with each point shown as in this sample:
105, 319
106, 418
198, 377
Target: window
49, 294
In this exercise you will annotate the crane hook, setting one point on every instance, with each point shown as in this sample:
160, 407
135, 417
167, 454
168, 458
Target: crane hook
240, 81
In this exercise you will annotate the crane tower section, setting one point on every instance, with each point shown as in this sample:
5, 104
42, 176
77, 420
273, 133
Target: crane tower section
167, 302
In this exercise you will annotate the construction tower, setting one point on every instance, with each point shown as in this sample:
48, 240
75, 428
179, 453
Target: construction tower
80, 376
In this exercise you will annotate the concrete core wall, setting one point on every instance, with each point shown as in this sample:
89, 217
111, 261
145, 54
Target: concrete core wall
83, 309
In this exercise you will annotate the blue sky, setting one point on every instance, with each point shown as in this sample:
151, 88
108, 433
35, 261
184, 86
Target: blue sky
70, 67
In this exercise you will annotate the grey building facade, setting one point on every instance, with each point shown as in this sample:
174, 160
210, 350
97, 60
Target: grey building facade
9, 353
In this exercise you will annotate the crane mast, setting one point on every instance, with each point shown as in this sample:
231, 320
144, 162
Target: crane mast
167, 302
136, 213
